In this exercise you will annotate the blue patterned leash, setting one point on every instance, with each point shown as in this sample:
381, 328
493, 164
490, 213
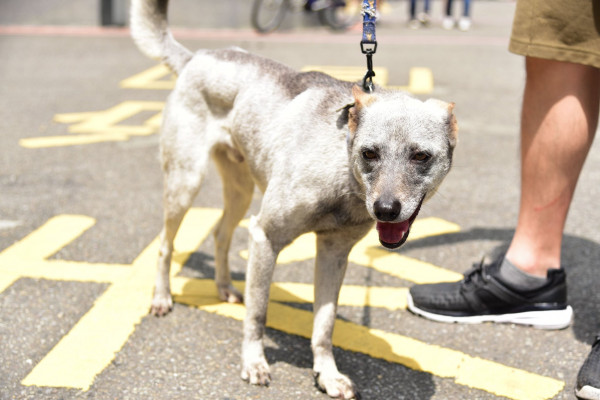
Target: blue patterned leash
368, 44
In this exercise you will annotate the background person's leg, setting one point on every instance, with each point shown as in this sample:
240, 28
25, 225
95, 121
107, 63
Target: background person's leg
558, 122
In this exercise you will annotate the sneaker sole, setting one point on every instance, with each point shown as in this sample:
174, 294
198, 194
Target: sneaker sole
551, 319
588, 393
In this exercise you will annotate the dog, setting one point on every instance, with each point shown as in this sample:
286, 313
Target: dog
327, 156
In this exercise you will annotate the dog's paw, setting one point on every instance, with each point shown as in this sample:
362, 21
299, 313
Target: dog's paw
257, 373
336, 385
161, 305
229, 294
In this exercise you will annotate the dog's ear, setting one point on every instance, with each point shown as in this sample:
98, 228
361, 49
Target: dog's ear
453, 125
343, 118
448, 110
361, 99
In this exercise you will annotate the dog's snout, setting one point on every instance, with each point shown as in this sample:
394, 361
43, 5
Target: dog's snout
386, 209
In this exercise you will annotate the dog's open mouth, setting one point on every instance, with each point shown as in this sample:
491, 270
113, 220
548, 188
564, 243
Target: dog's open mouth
393, 234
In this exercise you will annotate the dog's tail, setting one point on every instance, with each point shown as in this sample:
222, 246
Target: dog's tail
151, 34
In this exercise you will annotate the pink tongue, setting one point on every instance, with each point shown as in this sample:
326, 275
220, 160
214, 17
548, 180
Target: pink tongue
392, 232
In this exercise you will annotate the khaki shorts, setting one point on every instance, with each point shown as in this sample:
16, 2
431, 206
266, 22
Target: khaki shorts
561, 30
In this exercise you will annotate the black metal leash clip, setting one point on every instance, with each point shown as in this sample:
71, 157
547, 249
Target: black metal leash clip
369, 48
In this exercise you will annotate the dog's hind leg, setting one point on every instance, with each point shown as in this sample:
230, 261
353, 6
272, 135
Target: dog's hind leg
332, 258
238, 188
180, 188
185, 161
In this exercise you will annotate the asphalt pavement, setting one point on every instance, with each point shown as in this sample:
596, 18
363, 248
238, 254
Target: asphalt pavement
80, 208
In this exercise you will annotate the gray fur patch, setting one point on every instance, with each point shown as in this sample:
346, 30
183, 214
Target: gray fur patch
296, 83
293, 82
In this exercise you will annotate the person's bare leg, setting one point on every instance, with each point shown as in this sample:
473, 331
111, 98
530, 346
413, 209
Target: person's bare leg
558, 122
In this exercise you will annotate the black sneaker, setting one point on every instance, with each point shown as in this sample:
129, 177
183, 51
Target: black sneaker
482, 297
588, 379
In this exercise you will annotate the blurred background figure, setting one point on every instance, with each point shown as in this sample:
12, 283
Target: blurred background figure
418, 19
268, 15
464, 22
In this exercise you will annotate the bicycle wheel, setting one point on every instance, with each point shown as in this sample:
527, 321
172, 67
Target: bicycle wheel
340, 15
267, 15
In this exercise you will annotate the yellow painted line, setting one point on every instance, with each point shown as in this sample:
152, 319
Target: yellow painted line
303, 248
401, 266
466, 370
62, 141
151, 78
48, 239
60, 270
350, 74
71, 118
391, 298
423, 228
27, 258
7, 279
154, 121
101, 126
369, 253
108, 120
93, 342
420, 81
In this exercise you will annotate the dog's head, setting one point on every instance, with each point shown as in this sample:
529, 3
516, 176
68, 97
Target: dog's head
400, 151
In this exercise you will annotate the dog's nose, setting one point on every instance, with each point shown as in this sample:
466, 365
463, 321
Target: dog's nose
386, 210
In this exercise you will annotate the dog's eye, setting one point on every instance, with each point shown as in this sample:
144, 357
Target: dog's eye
421, 156
369, 155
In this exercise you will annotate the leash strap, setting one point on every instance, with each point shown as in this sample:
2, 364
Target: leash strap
368, 44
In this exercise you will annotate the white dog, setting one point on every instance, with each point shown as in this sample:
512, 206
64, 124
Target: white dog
328, 157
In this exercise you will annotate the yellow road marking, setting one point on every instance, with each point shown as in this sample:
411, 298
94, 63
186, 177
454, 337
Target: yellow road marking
152, 78
110, 119
466, 370
74, 363
65, 270
61, 141
102, 126
420, 79
7, 279
391, 298
93, 342
49, 238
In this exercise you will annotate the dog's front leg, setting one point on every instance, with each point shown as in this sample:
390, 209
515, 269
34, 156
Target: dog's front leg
331, 262
261, 263
162, 302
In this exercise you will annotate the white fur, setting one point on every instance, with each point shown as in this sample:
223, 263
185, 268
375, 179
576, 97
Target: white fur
289, 134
